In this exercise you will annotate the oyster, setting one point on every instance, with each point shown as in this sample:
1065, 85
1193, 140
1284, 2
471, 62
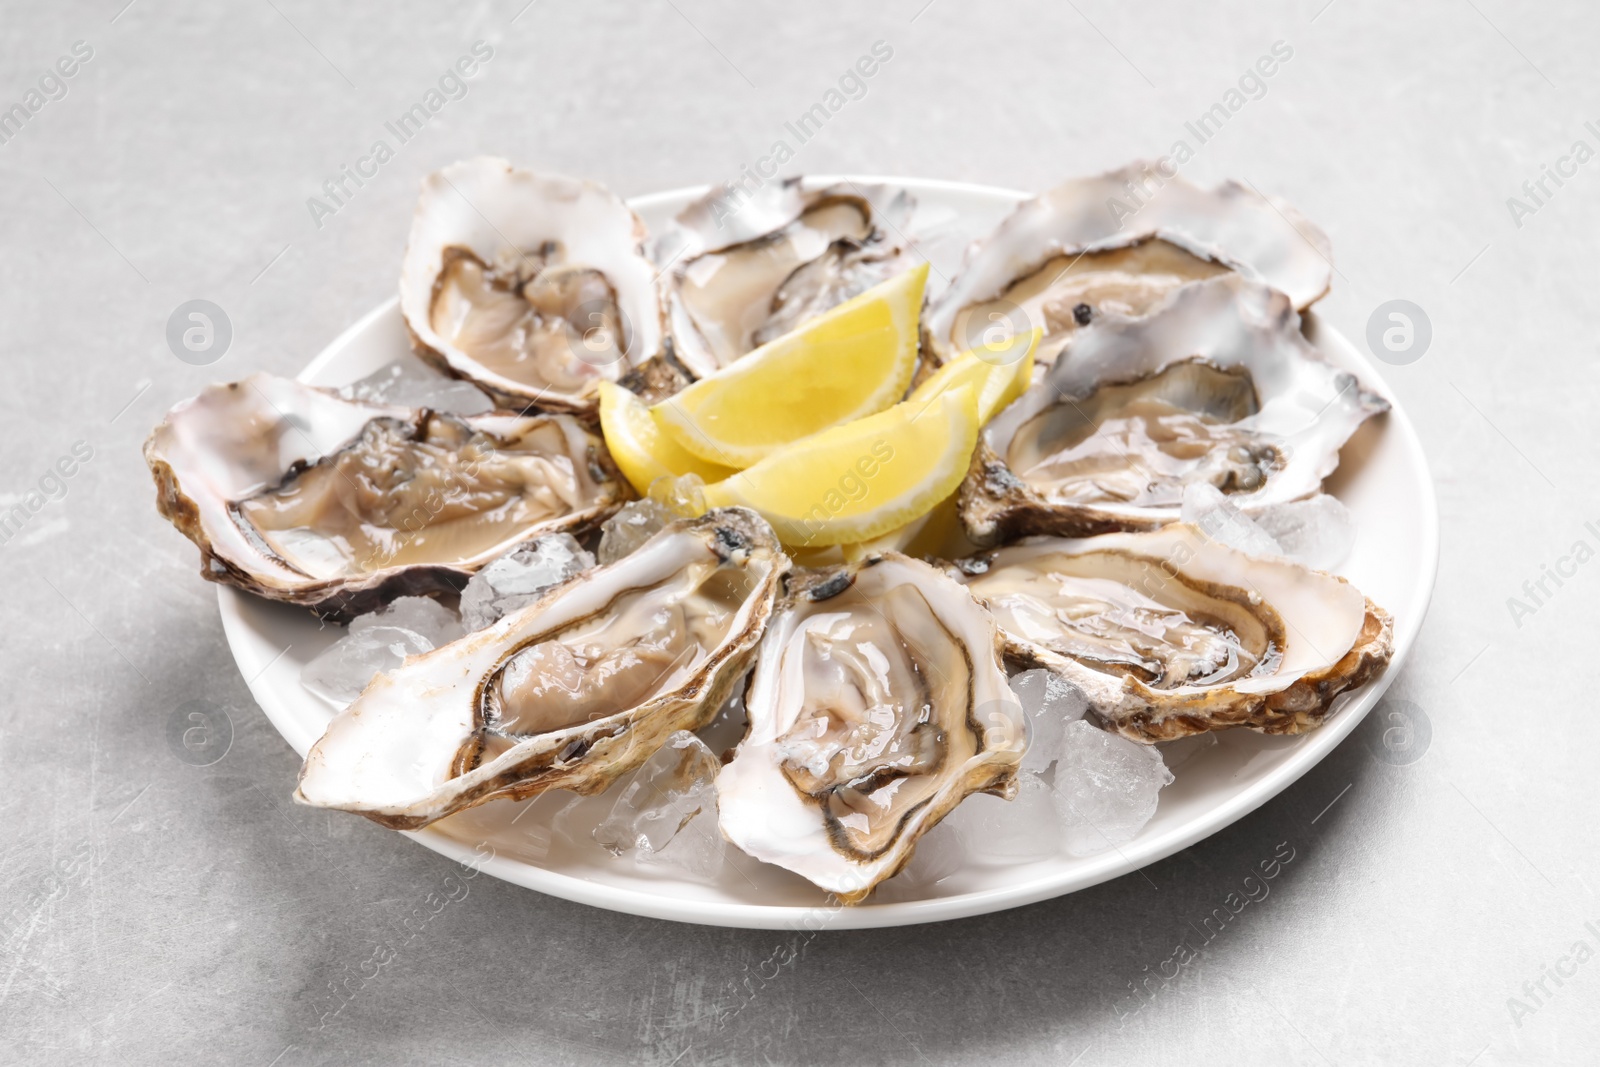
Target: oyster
878, 702
1170, 633
742, 275
569, 692
1216, 385
533, 286
1115, 245
301, 495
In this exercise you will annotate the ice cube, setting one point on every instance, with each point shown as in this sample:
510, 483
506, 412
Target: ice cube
419, 614
519, 578
1049, 703
697, 849
1318, 532
634, 524
684, 495
1106, 788
661, 797
1027, 828
1205, 506
409, 382
379, 641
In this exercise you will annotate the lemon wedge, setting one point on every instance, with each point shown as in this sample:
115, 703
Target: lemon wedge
641, 450
863, 479
849, 362
998, 373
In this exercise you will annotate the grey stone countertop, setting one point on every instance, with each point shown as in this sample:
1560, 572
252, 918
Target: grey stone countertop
155, 911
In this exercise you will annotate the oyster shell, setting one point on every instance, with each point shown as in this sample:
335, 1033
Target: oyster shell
878, 702
743, 275
569, 692
301, 495
1115, 245
533, 286
1170, 633
1217, 384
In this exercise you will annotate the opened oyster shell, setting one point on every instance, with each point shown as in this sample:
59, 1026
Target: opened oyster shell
298, 494
1170, 633
569, 692
878, 702
1217, 385
745, 269
1115, 245
534, 286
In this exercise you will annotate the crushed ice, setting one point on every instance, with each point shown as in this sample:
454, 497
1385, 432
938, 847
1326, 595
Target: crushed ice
1106, 788
381, 640
517, 579
1048, 705
1318, 531
409, 382
666, 811
633, 524
1080, 790
1205, 506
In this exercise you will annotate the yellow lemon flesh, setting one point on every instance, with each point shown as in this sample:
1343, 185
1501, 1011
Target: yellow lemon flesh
847, 363
997, 373
862, 479
641, 450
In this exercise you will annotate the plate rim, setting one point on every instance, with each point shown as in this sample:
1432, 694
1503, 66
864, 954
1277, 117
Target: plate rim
1106, 866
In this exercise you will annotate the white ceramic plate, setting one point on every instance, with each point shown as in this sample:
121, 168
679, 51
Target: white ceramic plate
1383, 479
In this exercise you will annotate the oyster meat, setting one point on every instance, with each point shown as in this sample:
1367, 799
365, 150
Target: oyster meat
1115, 245
570, 692
301, 495
742, 274
1169, 633
533, 286
1216, 385
877, 704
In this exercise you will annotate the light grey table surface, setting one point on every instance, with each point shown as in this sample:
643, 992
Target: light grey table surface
156, 911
